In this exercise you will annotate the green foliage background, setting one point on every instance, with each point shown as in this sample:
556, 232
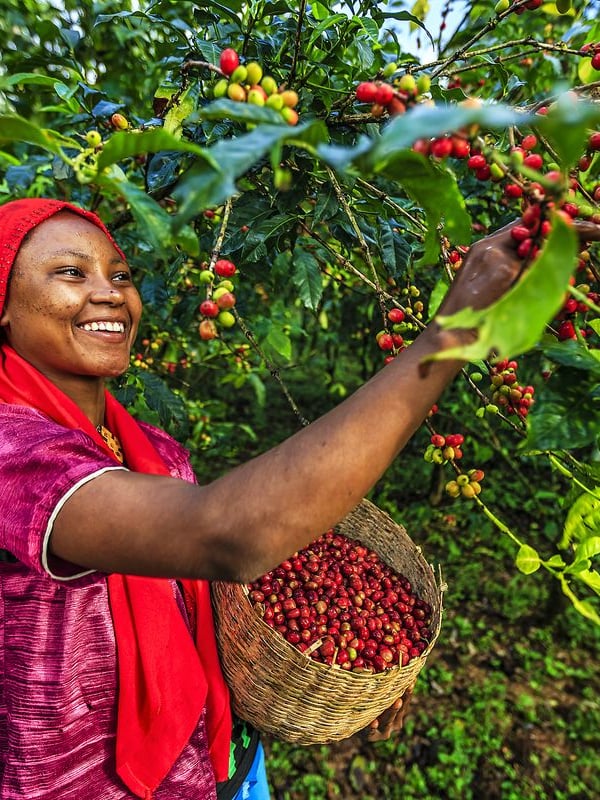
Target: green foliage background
330, 223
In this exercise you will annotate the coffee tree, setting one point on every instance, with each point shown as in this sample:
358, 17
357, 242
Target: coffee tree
296, 187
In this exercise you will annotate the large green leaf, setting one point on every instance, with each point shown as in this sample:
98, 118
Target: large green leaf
307, 277
436, 191
566, 413
583, 520
516, 322
240, 112
429, 121
153, 222
126, 144
572, 353
201, 187
16, 129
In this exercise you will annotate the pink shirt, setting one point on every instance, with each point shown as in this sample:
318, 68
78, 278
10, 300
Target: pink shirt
57, 659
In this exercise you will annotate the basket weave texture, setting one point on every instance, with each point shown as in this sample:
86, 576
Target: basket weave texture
286, 694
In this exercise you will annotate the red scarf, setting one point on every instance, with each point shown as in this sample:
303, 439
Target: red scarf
165, 680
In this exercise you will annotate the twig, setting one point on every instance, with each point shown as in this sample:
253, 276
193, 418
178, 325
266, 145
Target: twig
297, 41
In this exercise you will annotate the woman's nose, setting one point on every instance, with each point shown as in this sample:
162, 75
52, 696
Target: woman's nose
105, 291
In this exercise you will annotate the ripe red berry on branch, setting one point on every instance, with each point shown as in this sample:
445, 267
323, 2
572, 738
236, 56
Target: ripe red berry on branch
229, 61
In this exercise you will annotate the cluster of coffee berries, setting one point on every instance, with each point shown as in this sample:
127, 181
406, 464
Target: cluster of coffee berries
393, 98
570, 314
442, 449
507, 393
592, 49
215, 310
245, 83
392, 342
467, 484
341, 605
456, 255
441, 147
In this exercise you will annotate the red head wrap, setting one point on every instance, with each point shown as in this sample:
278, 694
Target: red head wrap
19, 217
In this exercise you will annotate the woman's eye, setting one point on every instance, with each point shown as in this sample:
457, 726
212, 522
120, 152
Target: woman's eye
71, 271
122, 276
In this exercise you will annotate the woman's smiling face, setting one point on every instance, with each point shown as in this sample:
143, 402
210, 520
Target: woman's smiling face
72, 308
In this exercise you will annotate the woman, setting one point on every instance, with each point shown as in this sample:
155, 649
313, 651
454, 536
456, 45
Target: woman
95, 507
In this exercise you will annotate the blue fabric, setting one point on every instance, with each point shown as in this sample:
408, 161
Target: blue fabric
255, 787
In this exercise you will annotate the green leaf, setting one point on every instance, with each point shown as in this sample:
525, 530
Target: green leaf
395, 250
328, 22
240, 112
153, 222
573, 354
126, 144
583, 520
202, 187
527, 560
429, 121
278, 342
16, 129
567, 125
436, 191
306, 276
565, 414
516, 322
589, 547
169, 406
25, 78
591, 578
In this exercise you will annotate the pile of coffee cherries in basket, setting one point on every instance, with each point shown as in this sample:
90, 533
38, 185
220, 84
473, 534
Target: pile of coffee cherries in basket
340, 604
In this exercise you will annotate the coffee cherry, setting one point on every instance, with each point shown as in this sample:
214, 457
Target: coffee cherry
366, 92
93, 138
208, 308
396, 316
441, 148
220, 88
566, 330
207, 329
236, 92
476, 162
408, 83
384, 95
229, 61
596, 61
385, 341
290, 98
502, 6
119, 122
533, 161
290, 115
226, 319
225, 301
594, 141
254, 73
529, 142
224, 268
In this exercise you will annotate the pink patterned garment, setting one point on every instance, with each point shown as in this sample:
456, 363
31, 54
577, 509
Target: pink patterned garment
58, 659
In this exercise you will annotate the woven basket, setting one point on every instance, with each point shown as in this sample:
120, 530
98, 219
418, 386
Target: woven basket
288, 695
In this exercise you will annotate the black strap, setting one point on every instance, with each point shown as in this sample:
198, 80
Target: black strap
243, 756
7, 557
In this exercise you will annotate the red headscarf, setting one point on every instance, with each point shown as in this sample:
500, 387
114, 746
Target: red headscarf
165, 681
